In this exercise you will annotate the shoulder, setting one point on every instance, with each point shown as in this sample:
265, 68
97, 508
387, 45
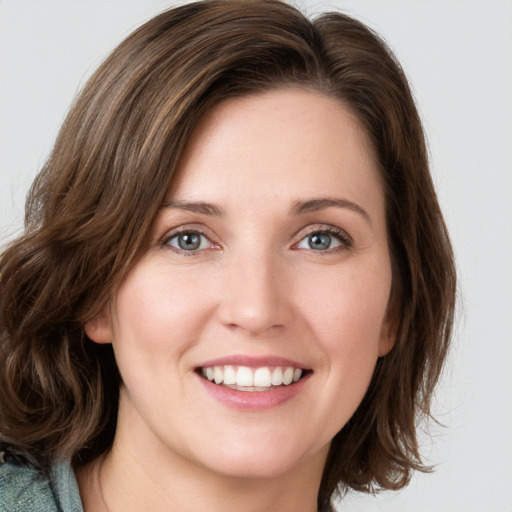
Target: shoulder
23, 489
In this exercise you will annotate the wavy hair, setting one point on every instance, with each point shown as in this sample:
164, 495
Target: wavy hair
91, 206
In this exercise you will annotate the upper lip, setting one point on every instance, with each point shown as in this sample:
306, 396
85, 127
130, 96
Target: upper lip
251, 361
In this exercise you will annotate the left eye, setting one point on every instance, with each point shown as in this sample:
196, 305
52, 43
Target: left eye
189, 241
320, 241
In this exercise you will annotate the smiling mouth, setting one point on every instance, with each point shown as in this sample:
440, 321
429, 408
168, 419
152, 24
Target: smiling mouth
244, 378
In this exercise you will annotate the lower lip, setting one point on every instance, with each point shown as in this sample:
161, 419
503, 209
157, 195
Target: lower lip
254, 400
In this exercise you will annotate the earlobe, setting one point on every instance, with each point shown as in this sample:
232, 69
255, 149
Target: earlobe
99, 328
389, 331
387, 342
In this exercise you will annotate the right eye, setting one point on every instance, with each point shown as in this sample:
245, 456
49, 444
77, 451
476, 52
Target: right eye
189, 241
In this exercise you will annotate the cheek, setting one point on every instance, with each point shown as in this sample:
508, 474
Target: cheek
352, 304
152, 321
157, 310
346, 314
158, 316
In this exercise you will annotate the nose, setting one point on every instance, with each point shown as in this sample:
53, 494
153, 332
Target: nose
255, 295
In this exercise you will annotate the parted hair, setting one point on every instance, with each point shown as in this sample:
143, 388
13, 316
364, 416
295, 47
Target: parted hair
90, 209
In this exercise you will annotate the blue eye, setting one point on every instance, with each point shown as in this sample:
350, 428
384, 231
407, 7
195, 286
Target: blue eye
324, 240
189, 241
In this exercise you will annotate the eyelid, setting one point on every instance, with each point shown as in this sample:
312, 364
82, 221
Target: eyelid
187, 228
346, 241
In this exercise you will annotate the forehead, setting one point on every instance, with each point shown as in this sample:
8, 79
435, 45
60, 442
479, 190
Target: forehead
285, 143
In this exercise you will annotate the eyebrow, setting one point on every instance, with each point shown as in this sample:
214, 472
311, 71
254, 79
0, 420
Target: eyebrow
196, 207
321, 203
298, 207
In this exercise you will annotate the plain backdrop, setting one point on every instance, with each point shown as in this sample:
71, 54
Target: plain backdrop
458, 56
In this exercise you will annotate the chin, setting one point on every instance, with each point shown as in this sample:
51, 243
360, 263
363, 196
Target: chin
255, 461
261, 467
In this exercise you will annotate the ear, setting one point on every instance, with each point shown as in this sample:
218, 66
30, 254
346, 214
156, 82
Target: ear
389, 329
99, 327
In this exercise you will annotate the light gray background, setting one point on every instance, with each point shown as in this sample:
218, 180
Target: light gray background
458, 55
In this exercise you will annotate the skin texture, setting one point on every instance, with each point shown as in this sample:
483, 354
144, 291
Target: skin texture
255, 287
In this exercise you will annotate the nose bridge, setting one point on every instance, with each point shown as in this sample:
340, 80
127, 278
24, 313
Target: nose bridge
255, 297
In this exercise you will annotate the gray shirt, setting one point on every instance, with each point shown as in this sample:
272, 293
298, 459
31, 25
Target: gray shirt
24, 489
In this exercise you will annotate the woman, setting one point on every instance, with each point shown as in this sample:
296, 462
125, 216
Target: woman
235, 286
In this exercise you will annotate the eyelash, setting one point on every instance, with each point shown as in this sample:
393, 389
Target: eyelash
341, 236
167, 239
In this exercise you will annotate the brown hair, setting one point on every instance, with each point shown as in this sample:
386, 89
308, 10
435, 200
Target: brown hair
91, 207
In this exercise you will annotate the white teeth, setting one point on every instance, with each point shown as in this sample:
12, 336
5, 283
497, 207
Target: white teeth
262, 378
277, 377
229, 375
288, 376
244, 377
256, 378
218, 374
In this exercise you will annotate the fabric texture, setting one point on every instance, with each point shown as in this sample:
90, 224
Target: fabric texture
24, 489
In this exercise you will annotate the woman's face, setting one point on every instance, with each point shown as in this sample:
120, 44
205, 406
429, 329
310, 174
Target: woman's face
267, 263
